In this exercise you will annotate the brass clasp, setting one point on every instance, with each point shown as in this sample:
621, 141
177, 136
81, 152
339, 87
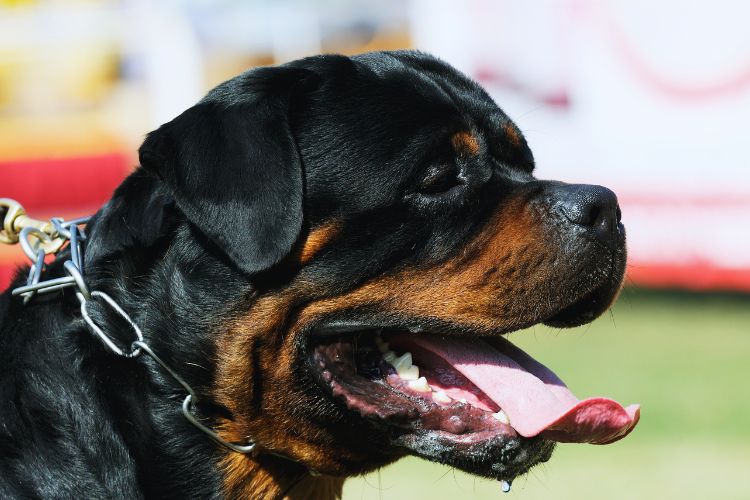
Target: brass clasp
16, 220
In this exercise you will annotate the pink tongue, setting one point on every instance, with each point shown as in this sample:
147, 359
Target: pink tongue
536, 401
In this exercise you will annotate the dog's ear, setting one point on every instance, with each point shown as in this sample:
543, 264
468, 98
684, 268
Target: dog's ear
233, 167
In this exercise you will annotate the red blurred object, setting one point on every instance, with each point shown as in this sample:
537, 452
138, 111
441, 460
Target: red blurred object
7, 270
66, 187
61, 184
698, 276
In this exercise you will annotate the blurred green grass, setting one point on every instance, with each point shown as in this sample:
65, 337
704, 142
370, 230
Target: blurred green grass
684, 357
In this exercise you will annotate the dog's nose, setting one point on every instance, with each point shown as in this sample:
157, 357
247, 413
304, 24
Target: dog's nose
590, 206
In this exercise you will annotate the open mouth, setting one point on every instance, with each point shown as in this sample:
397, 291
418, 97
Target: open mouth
478, 403
470, 400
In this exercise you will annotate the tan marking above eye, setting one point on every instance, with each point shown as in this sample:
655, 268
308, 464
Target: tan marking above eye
512, 133
465, 143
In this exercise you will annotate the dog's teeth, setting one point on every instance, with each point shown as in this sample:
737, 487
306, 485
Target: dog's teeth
502, 417
463, 400
410, 373
403, 361
404, 368
420, 385
441, 397
389, 356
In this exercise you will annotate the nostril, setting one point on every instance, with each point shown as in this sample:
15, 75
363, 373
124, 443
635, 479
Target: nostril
591, 216
592, 207
603, 217
606, 222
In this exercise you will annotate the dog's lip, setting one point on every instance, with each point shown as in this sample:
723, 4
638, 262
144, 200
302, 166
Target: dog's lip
340, 327
334, 327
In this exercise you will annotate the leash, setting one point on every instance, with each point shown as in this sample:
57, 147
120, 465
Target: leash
41, 238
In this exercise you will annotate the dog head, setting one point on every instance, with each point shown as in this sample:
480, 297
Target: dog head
342, 204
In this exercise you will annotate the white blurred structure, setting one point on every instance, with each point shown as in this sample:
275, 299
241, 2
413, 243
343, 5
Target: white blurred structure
649, 98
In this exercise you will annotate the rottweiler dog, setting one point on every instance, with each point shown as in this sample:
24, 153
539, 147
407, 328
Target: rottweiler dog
330, 253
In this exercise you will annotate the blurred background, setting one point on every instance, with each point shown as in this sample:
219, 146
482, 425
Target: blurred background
649, 98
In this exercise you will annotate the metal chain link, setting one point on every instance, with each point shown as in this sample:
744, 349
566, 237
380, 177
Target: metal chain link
39, 239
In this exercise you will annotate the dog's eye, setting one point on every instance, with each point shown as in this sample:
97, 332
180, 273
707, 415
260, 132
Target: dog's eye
438, 178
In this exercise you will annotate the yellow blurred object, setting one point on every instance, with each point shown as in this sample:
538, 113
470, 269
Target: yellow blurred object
17, 3
57, 78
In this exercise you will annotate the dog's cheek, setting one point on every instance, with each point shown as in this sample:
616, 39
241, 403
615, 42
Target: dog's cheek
258, 381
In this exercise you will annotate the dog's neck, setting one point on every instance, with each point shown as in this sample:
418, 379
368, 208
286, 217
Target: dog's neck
268, 477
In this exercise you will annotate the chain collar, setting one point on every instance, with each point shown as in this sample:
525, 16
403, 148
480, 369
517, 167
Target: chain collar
39, 239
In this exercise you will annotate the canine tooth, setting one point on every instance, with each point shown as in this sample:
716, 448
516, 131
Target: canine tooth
420, 385
403, 361
502, 417
389, 356
441, 397
410, 373
463, 400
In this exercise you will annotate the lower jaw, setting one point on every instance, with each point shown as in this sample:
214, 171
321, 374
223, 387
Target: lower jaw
492, 456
